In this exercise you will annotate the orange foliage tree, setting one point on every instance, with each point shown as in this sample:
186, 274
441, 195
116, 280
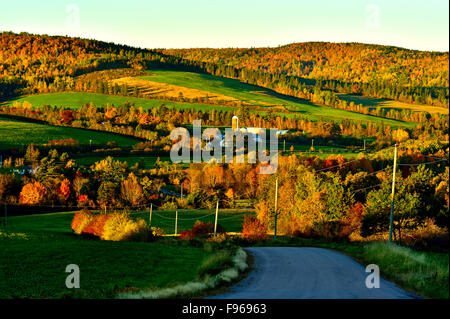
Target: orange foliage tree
32, 193
64, 189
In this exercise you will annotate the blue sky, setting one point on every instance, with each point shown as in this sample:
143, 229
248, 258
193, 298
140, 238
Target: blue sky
415, 24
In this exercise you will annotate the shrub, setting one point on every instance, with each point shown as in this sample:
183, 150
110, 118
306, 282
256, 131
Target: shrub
202, 228
169, 206
120, 226
140, 232
97, 225
157, 232
80, 221
428, 236
253, 229
199, 229
186, 234
220, 238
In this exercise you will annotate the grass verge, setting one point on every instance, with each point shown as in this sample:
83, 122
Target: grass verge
221, 268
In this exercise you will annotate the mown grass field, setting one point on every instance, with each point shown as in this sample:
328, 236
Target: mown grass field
16, 134
373, 103
230, 219
229, 88
36, 249
257, 95
153, 89
76, 100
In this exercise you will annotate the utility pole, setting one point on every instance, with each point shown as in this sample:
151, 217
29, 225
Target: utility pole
150, 218
217, 215
176, 222
276, 204
364, 144
391, 221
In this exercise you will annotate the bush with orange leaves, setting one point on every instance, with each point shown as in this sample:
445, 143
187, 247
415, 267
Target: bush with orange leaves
115, 227
80, 221
253, 229
200, 228
96, 226
32, 193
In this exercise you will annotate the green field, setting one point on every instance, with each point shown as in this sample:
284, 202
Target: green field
229, 87
14, 134
374, 103
230, 219
76, 100
258, 96
35, 250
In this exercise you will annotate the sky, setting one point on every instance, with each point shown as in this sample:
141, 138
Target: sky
413, 24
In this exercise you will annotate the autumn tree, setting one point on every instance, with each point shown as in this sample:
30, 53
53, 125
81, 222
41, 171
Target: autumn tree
32, 154
64, 189
131, 190
32, 193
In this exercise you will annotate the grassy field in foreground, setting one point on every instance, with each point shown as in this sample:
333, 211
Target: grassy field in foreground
374, 103
36, 249
15, 134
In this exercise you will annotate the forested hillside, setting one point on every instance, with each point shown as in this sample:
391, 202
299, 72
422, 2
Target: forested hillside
40, 63
375, 70
314, 71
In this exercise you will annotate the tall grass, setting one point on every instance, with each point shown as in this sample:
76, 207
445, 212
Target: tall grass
423, 273
208, 281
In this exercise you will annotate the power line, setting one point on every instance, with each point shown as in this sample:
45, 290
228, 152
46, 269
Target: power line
426, 163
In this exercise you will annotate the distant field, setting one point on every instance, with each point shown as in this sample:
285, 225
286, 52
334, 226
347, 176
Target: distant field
374, 103
200, 85
15, 134
230, 219
152, 89
149, 161
76, 100
321, 151
258, 96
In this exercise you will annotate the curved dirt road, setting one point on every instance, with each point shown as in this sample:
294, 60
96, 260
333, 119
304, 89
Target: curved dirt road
308, 273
